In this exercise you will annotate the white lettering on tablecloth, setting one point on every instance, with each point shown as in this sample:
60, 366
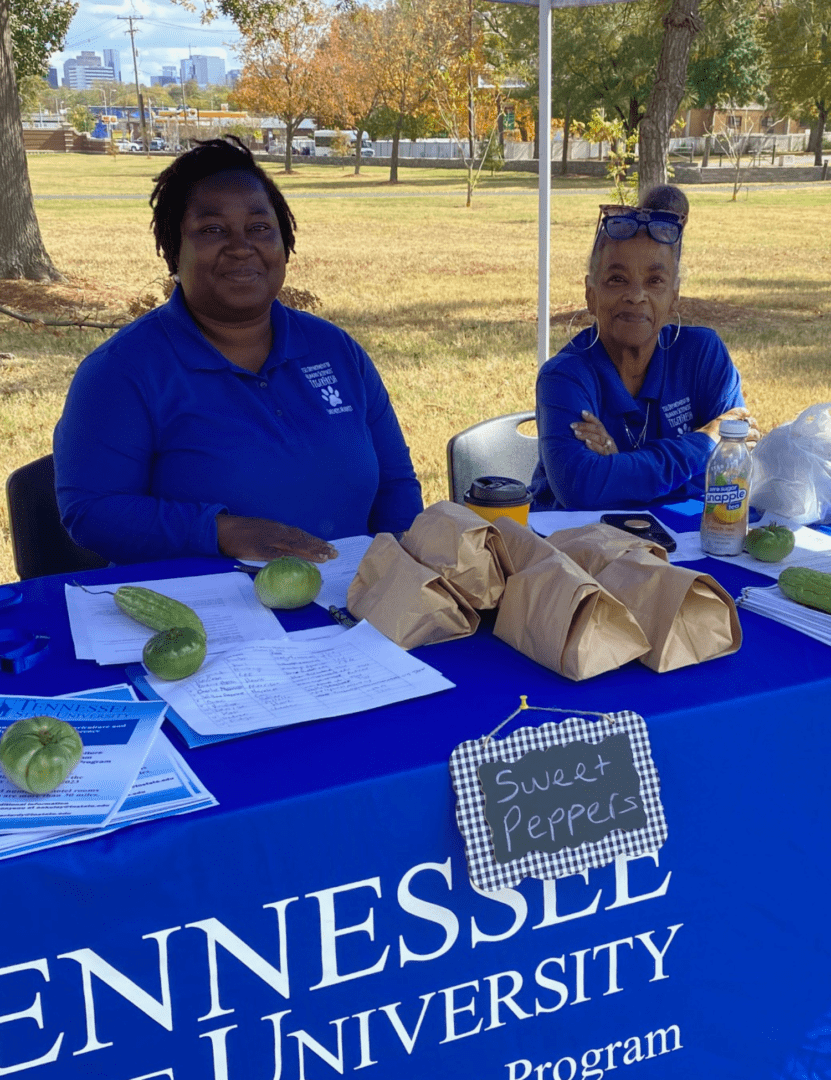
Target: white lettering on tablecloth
347, 928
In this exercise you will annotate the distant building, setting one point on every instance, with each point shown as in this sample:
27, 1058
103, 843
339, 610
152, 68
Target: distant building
232, 78
52, 78
163, 80
85, 70
203, 70
112, 58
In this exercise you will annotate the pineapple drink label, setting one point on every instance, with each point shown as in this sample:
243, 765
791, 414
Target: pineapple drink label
724, 522
727, 498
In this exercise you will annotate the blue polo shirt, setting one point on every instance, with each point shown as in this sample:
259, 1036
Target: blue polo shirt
160, 432
688, 383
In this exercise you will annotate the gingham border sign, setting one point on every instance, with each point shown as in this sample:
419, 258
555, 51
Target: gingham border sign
488, 874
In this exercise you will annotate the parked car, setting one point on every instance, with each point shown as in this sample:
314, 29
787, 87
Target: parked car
158, 144
127, 146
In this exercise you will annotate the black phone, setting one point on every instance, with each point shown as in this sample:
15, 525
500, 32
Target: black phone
643, 525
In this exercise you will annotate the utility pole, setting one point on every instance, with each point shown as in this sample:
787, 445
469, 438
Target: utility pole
132, 32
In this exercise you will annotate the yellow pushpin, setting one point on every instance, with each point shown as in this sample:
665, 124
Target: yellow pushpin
523, 701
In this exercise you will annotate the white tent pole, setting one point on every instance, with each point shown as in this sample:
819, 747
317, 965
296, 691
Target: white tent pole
544, 209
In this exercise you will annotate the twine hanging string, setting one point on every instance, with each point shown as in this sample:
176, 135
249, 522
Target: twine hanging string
523, 705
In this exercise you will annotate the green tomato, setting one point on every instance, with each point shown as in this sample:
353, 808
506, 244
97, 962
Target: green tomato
37, 753
288, 582
770, 543
175, 653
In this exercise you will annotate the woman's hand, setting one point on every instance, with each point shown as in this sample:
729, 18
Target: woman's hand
592, 432
739, 413
259, 539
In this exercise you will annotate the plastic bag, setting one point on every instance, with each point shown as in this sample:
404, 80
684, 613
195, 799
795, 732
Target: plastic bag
792, 468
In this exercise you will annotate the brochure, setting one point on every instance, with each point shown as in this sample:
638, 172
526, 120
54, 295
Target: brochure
117, 736
165, 786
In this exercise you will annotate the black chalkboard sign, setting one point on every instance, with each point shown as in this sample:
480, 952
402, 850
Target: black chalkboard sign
557, 799
561, 797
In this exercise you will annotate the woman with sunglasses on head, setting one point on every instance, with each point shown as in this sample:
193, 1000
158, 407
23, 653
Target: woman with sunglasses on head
628, 412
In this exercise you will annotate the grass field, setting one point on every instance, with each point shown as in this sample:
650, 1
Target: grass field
442, 297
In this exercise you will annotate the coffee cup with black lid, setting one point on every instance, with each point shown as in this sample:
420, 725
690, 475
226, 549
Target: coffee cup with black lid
493, 497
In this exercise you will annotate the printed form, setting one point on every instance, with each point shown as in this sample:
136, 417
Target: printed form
270, 684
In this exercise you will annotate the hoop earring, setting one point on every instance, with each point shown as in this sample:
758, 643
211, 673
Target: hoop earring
677, 332
596, 328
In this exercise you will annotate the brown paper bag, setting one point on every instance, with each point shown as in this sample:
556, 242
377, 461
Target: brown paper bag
406, 601
687, 617
595, 546
464, 548
522, 545
558, 615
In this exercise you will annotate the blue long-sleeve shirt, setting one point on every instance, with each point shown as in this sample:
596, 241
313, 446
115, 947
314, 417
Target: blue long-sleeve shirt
688, 383
160, 433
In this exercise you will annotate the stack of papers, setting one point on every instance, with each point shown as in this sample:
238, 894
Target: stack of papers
271, 684
255, 675
129, 772
771, 602
226, 603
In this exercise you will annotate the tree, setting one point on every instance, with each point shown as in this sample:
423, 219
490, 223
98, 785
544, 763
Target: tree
463, 95
681, 24
510, 38
279, 76
81, 118
22, 252
604, 58
416, 36
37, 31
350, 77
798, 36
621, 155
728, 65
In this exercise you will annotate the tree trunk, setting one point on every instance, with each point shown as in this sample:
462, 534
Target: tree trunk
289, 140
822, 116
681, 24
566, 133
359, 135
22, 254
396, 139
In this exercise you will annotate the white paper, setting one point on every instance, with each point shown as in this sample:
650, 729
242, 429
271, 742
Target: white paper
811, 549
768, 600
226, 603
273, 684
338, 573
545, 522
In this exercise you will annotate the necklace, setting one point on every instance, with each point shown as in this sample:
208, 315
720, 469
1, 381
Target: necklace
636, 444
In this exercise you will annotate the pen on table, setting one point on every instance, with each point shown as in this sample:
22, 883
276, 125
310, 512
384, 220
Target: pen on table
342, 617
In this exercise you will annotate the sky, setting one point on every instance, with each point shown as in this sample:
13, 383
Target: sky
166, 33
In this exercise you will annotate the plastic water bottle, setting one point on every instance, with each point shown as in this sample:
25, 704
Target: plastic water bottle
727, 498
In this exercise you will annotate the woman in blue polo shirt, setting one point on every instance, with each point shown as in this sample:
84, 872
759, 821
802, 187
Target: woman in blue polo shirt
224, 422
628, 412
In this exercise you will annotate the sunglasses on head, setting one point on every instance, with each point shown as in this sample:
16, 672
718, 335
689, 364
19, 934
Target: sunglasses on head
622, 222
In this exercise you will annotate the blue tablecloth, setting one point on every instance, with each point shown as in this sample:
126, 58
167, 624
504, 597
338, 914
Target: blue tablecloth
320, 920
